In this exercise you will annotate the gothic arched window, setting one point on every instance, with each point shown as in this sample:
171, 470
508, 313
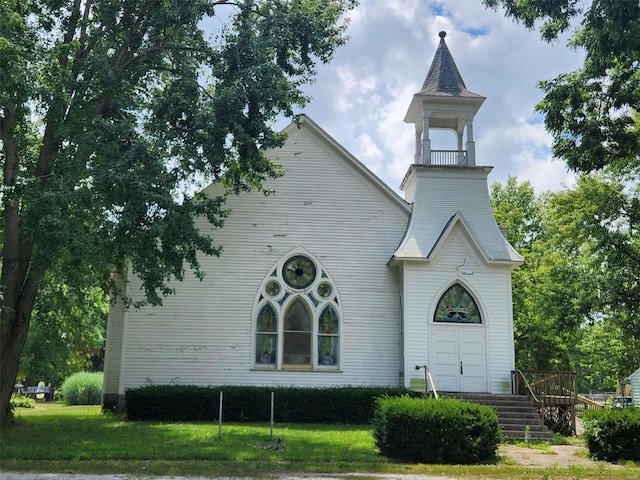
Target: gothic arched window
297, 324
457, 305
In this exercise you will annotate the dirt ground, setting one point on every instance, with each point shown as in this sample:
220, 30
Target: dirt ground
560, 455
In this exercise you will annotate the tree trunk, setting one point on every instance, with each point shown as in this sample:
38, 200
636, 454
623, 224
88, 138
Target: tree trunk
11, 344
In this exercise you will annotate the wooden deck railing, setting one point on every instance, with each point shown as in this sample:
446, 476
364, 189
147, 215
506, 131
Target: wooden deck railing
584, 403
555, 393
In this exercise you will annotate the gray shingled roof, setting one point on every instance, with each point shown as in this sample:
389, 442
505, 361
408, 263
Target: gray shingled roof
443, 77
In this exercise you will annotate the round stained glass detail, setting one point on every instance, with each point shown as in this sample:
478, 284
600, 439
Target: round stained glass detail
324, 289
299, 272
272, 288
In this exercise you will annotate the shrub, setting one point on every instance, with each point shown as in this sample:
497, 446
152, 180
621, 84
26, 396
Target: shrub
83, 388
613, 433
22, 401
354, 405
429, 430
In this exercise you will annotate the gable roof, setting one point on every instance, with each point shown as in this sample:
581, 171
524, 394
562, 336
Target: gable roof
305, 122
493, 247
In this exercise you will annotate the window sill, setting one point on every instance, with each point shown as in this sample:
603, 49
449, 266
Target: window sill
296, 370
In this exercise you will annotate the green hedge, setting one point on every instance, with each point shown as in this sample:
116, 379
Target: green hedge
350, 405
429, 430
82, 388
613, 433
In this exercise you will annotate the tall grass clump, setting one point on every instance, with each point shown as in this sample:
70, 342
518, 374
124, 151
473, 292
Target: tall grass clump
82, 388
429, 430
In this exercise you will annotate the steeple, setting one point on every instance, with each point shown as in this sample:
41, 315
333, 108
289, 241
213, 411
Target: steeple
444, 103
443, 77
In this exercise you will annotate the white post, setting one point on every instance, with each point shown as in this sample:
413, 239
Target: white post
220, 417
417, 157
426, 141
272, 408
471, 145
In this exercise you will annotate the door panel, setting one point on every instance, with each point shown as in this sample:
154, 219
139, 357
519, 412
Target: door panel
473, 357
458, 358
444, 366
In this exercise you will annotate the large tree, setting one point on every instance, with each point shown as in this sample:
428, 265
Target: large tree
550, 291
111, 112
592, 114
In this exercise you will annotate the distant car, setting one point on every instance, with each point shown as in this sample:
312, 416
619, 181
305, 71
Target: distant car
621, 402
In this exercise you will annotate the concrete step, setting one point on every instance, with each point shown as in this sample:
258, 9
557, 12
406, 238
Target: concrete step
516, 414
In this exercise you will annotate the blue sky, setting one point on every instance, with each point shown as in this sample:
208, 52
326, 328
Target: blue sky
361, 97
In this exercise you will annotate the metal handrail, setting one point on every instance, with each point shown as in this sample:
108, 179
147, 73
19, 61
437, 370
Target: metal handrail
537, 401
526, 384
428, 379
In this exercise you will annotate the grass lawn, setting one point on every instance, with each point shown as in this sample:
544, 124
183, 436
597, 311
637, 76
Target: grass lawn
60, 439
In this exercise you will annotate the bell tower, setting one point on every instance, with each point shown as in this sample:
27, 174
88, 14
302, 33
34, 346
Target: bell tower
454, 261
444, 103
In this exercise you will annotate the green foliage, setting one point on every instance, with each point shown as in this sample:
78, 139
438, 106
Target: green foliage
592, 114
555, 14
22, 401
113, 113
435, 430
613, 433
83, 388
600, 217
546, 310
67, 332
601, 356
252, 404
574, 298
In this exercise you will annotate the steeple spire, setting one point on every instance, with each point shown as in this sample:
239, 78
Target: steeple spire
443, 76
444, 103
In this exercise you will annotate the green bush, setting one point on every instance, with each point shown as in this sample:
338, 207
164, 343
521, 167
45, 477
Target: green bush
350, 405
613, 433
429, 430
22, 401
83, 388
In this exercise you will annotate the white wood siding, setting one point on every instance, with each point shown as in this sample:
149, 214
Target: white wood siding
113, 349
203, 334
425, 282
634, 380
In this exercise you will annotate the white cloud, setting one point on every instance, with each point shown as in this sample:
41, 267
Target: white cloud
369, 153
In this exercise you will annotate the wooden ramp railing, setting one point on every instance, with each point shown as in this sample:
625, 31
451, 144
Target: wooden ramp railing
584, 403
555, 393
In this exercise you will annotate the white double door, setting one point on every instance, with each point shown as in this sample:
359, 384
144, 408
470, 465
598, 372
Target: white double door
458, 358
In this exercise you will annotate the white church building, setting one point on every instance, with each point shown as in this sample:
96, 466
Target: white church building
335, 280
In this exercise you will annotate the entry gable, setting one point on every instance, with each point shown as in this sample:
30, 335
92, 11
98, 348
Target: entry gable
412, 248
458, 219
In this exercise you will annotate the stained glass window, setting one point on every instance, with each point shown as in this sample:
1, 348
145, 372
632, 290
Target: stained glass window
266, 336
272, 288
328, 329
297, 334
299, 272
297, 325
457, 305
324, 289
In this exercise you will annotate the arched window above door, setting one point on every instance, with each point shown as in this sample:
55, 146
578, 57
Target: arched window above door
457, 305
